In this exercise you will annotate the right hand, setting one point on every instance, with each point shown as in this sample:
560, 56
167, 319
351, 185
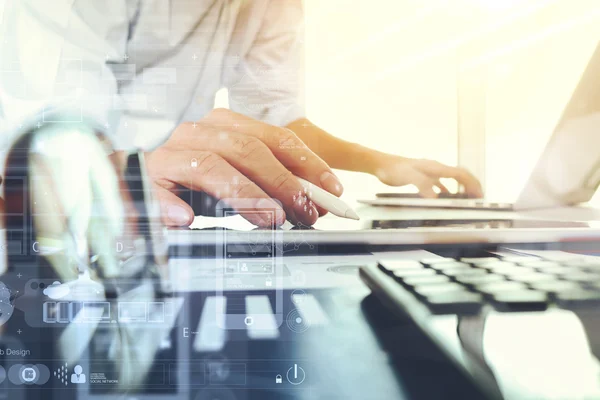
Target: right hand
238, 158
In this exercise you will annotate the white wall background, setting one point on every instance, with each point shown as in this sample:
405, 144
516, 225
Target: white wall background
384, 73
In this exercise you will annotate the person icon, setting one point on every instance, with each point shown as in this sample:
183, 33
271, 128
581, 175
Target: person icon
78, 376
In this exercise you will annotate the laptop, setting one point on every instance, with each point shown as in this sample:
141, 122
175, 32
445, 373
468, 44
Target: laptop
568, 171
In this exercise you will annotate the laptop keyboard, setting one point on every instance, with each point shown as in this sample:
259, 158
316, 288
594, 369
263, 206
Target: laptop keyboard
509, 284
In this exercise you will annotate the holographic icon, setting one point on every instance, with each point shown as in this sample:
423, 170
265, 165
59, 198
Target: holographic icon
56, 290
78, 376
296, 375
296, 322
61, 374
6, 306
28, 374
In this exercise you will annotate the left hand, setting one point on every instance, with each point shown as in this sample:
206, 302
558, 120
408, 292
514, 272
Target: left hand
425, 175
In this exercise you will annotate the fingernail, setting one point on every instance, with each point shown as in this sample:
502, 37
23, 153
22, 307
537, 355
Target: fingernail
331, 183
178, 215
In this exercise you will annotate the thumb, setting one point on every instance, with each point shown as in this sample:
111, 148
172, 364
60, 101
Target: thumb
174, 211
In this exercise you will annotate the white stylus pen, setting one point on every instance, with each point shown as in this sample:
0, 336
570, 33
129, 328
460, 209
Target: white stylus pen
329, 202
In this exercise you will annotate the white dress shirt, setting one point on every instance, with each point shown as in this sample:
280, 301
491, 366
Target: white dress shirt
143, 66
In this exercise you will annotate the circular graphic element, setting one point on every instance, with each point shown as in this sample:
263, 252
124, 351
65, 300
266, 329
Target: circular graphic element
296, 322
2, 374
28, 374
295, 375
298, 277
6, 306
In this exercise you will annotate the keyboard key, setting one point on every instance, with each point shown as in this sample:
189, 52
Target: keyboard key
439, 288
555, 286
583, 263
438, 260
512, 270
523, 300
392, 265
540, 264
532, 278
211, 333
579, 276
461, 270
557, 270
499, 287
448, 265
467, 272
519, 259
264, 325
411, 273
587, 265
463, 303
310, 309
594, 285
425, 280
578, 299
497, 264
471, 280
563, 257
479, 260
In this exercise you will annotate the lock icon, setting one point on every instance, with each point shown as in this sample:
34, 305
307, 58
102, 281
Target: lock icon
268, 282
278, 378
244, 267
194, 163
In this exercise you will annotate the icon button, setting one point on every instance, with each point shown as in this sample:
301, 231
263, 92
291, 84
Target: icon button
28, 374
78, 376
295, 375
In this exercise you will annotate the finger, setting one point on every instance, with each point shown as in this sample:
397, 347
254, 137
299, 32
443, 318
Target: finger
304, 193
322, 212
253, 158
284, 144
442, 187
305, 210
461, 175
424, 183
218, 178
173, 210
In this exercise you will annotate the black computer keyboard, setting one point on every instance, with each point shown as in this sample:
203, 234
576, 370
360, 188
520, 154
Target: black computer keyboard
463, 286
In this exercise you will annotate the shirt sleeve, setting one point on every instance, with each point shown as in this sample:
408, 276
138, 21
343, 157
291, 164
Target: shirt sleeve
267, 83
53, 66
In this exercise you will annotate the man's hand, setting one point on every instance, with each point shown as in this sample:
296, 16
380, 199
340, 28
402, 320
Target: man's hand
238, 157
425, 175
